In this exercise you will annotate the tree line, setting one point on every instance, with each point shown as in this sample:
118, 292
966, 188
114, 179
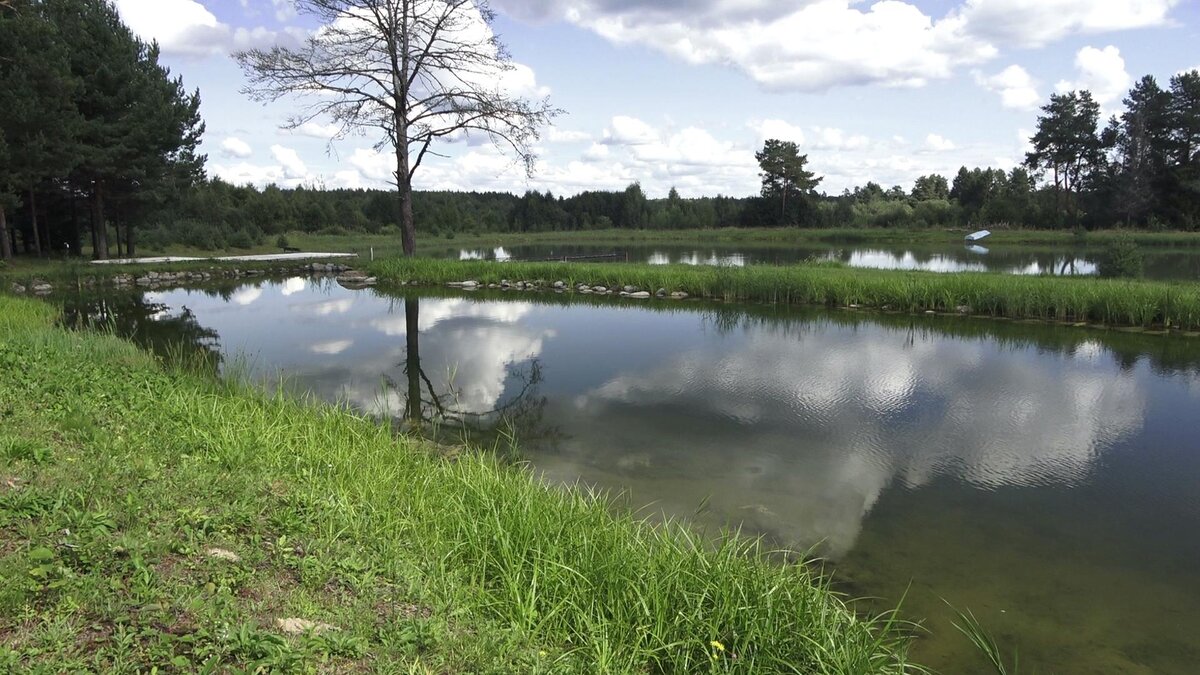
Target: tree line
95, 134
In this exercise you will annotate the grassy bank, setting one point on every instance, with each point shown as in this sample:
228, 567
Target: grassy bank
1145, 304
150, 517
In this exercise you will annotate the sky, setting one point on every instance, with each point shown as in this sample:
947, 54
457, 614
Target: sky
681, 93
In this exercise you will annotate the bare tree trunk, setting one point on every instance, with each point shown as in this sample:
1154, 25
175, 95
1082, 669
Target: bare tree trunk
99, 227
129, 241
33, 221
408, 228
6, 251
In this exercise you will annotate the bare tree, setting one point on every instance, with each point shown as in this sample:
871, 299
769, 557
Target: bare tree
418, 70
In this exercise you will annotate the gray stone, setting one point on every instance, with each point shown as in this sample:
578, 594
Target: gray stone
661, 292
963, 309
640, 295
599, 289
42, 289
18, 288
222, 554
679, 295
630, 289
302, 626
560, 284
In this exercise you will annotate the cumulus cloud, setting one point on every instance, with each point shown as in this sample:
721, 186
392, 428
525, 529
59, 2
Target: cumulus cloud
1016, 87
289, 170
236, 147
810, 138
1032, 23
324, 132
556, 135
1102, 72
624, 130
289, 159
937, 143
188, 28
817, 44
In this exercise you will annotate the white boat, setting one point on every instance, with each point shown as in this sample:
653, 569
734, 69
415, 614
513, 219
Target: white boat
979, 236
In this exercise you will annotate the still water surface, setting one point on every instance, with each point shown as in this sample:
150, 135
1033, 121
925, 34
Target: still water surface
1047, 478
1160, 263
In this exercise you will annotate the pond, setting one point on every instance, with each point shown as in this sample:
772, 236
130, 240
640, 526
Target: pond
1160, 263
1044, 477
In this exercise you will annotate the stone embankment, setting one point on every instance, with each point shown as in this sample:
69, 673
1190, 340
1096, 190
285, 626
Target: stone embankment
561, 287
156, 280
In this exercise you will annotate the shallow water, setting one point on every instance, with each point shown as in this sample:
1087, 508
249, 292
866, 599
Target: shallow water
1044, 477
1160, 263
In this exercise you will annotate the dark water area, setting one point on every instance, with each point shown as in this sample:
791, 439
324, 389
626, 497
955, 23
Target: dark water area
1045, 477
1159, 263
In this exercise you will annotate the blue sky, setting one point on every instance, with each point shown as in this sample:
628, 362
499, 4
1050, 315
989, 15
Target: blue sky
682, 92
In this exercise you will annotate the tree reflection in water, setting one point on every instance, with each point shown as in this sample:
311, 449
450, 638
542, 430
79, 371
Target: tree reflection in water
438, 415
176, 337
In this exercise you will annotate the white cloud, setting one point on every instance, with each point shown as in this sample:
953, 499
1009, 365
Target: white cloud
324, 132
829, 138
812, 138
938, 143
556, 135
289, 159
624, 130
596, 153
236, 147
284, 10
244, 173
376, 166
817, 44
784, 131
188, 28
1032, 23
1102, 72
1016, 87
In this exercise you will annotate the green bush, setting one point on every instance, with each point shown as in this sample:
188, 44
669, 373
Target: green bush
282, 241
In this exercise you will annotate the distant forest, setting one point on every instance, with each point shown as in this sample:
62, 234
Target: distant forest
98, 143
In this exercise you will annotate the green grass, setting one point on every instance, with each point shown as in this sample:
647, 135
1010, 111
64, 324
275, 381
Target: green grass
1144, 304
118, 475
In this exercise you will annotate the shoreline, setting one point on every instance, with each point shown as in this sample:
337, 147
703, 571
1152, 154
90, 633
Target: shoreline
1119, 304
232, 528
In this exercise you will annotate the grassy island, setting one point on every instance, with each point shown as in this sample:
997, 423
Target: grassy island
1109, 302
152, 515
